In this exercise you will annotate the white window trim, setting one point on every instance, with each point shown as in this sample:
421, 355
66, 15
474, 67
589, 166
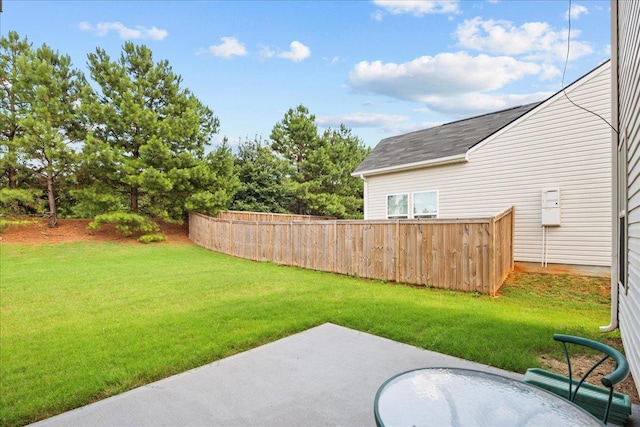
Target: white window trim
623, 225
413, 198
408, 215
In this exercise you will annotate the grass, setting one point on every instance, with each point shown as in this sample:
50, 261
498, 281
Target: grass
83, 321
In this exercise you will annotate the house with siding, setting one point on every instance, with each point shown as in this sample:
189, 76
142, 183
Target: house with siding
551, 160
625, 147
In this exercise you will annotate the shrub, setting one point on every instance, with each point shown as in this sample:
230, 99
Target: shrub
4, 223
126, 223
19, 201
155, 237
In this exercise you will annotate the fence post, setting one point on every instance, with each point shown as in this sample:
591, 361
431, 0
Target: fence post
229, 238
492, 256
257, 251
291, 243
513, 230
335, 242
397, 251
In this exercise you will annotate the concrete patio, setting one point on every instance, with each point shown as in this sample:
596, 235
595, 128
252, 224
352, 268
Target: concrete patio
325, 376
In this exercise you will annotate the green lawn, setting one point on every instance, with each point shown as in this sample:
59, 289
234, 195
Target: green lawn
83, 321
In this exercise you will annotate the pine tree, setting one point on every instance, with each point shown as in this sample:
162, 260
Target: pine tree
146, 151
264, 177
40, 122
321, 165
17, 187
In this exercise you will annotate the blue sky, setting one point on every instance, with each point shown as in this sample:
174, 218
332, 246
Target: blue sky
382, 68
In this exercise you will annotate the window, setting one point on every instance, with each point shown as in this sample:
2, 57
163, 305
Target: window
398, 206
622, 213
425, 204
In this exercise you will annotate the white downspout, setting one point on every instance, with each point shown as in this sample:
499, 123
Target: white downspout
615, 233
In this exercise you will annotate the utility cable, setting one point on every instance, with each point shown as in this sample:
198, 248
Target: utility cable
564, 71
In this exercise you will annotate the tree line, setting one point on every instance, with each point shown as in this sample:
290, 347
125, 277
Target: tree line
132, 140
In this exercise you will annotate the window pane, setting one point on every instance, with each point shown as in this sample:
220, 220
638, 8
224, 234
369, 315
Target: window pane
397, 205
425, 205
622, 253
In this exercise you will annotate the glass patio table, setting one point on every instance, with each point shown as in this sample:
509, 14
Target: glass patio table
464, 397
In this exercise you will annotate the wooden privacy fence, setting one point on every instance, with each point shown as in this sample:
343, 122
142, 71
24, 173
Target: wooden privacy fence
472, 255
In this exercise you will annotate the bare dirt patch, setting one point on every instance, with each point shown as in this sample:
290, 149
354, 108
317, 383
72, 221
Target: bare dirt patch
75, 230
581, 364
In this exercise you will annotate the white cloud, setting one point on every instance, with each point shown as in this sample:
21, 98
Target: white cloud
266, 52
468, 104
418, 7
576, 11
297, 52
549, 72
444, 74
532, 40
455, 84
389, 123
85, 26
156, 33
360, 120
377, 15
138, 32
229, 47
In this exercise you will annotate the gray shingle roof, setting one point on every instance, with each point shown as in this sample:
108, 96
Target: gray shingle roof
438, 142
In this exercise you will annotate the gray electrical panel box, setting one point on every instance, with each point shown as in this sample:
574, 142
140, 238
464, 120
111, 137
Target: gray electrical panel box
551, 206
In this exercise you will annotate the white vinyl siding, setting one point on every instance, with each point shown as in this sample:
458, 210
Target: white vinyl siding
557, 145
629, 127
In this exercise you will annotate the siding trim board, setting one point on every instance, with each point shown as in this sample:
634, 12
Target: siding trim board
410, 166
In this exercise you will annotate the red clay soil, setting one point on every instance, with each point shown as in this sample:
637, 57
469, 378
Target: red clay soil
75, 230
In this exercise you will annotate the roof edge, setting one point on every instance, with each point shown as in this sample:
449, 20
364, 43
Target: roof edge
458, 158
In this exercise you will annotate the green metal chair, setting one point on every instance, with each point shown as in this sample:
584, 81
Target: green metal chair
604, 403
